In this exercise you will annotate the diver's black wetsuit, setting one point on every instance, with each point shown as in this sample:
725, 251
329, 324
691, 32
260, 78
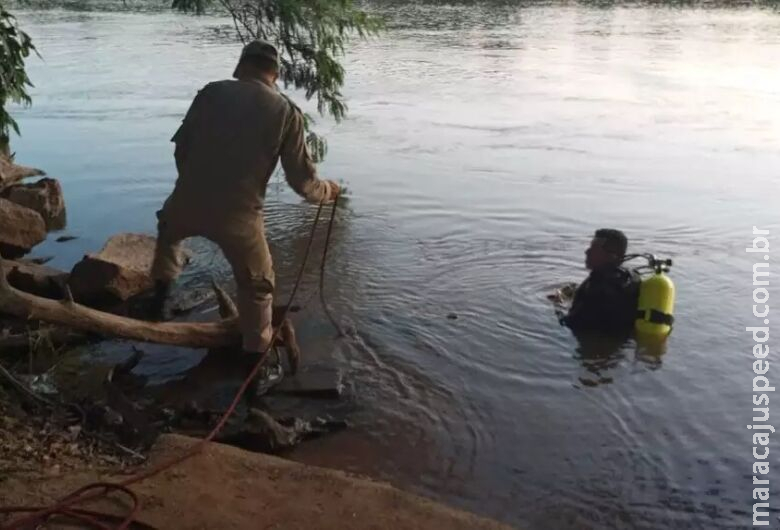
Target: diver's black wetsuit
605, 302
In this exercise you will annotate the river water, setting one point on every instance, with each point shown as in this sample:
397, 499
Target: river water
483, 146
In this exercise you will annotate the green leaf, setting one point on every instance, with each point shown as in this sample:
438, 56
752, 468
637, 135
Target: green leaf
15, 46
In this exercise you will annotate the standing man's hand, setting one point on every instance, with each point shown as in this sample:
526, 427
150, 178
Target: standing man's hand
335, 189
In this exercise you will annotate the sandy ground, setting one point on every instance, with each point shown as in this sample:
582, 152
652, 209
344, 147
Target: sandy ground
225, 487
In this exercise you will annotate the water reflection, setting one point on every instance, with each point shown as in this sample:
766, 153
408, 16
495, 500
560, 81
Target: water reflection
650, 350
601, 357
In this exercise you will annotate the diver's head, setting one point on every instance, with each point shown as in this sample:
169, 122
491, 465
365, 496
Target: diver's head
259, 61
607, 249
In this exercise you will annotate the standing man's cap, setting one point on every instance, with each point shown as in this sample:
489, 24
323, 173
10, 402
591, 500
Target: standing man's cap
261, 48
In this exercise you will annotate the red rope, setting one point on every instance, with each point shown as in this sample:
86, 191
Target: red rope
325, 307
65, 506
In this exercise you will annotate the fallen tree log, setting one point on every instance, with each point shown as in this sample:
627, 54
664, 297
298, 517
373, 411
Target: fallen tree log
220, 334
223, 333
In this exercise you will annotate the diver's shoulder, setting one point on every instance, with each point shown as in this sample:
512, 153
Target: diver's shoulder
617, 274
628, 278
629, 273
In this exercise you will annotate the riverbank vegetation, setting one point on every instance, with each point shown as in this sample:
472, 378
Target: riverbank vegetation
15, 47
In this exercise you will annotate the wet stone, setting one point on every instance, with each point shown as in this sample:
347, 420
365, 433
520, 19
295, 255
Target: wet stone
326, 383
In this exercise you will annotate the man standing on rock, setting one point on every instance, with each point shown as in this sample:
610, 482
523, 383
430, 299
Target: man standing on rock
226, 150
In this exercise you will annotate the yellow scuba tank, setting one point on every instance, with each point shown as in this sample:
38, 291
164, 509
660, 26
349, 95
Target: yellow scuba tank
656, 302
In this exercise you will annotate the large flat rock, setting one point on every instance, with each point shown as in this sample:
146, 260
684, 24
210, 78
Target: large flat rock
228, 488
44, 196
20, 229
122, 269
319, 384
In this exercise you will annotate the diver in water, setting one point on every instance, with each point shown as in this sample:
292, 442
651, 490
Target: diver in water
606, 302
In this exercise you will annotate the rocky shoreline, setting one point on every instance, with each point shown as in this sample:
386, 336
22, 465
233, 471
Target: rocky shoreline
52, 441
113, 281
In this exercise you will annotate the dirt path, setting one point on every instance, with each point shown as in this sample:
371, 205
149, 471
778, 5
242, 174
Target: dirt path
225, 487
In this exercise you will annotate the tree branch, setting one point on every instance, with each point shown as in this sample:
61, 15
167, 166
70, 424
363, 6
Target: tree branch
218, 334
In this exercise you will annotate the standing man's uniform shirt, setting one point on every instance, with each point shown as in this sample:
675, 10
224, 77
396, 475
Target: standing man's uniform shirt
231, 139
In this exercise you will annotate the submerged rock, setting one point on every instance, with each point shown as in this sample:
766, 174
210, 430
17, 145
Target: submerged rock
20, 229
40, 260
317, 384
261, 432
44, 196
122, 269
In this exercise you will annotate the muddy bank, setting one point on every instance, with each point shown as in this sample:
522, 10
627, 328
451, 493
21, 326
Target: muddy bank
226, 487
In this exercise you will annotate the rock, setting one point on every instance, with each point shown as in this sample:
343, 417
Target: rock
36, 279
317, 384
20, 229
44, 196
11, 173
116, 273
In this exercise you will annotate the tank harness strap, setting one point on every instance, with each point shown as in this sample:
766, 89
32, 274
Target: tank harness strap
656, 317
